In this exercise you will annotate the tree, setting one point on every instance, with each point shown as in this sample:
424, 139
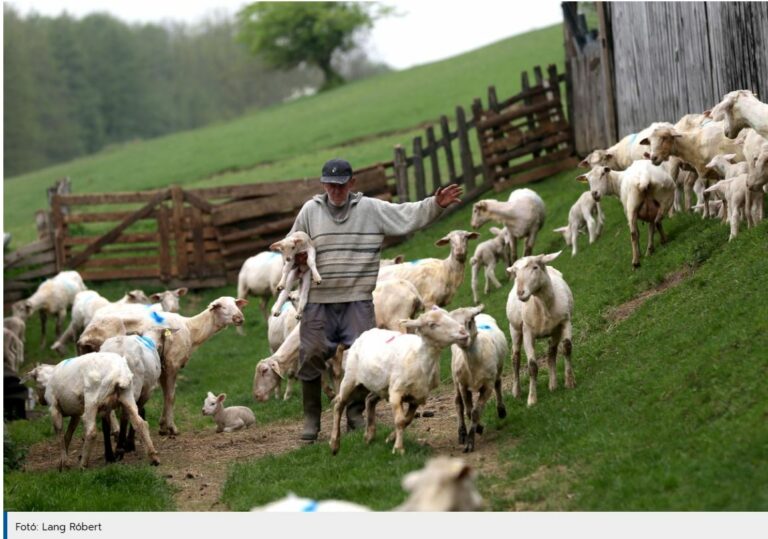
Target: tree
287, 34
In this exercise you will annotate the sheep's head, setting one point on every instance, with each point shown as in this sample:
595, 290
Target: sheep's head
480, 214
22, 309
212, 402
466, 317
598, 179
226, 310
661, 141
502, 234
602, 158
293, 244
728, 112
444, 484
136, 296
565, 231
437, 325
716, 167
458, 240
169, 299
530, 274
266, 378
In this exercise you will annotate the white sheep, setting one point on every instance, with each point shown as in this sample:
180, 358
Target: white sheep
400, 367
89, 385
16, 325
738, 110
279, 327
394, 300
227, 419
646, 193
476, 368
523, 214
53, 296
444, 484
13, 350
734, 194
585, 213
435, 279
259, 277
487, 253
540, 304
399, 259
298, 266
723, 167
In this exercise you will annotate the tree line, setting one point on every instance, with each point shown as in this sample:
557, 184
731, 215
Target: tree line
74, 86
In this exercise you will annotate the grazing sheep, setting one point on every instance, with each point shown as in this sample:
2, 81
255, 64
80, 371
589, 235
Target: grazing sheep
476, 368
444, 484
540, 304
13, 350
53, 296
580, 216
523, 214
394, 300
227, 419
646, 193
487, 253
298, 266
259, 277
734, 194
17, 326
436, 280
738, 110
402, 368
89, 385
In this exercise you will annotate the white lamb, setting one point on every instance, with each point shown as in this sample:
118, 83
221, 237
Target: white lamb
487, 253
476, 368
298, 266
723, 167
259, 276
53, 296
89, 385
227, 419
399, 367
585, 213
394, 300
738, 110
523, 214
540, 304
436, 280
646, 193
734, 194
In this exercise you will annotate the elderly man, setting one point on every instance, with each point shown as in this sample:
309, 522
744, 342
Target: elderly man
347, 230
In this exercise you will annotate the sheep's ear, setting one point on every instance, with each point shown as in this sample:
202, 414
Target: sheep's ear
275, 366
481, 205
399, 259
582, 178
463, 472
473, 236
155, 297
645, 142
215, 305
609, 156
410, 324
712, 189
181, 291
606, 170
443, 241
707, 113
495, 230
511, 271
477, 310
584, 163
221, 398
211, 395
730, 157
241, 303
546, 259
277, 246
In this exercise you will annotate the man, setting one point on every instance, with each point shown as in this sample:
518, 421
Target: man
347, 230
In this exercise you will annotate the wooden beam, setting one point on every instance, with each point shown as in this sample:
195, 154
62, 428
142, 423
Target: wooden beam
35, 247
178, 230
537, 174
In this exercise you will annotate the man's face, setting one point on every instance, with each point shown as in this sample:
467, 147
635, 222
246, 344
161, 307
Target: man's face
337, 193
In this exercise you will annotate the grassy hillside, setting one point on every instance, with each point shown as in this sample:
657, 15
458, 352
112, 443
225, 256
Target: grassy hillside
389, 102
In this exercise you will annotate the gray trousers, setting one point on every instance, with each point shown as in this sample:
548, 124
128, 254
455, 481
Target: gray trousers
323, 327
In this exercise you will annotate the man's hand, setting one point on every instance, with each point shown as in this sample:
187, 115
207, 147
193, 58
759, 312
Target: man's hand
448, 195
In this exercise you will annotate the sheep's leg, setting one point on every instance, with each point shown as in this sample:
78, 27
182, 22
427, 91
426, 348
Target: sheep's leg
130, 442
749, 210
477, 411
677, 204
370, 416
529, 242
287, 269
168, 382
303, 294
89, 425
43, 320
400, 423
570, 380
312, 267
69, 334
60, 317
591, 228
517, 340
512, 252
554, 341
58, 423
651, 230
574, 241
328, 384
139, 425
533, 368
288, 390
281, 299
459, 402
339, 404
487, 284
490, 273
106, 432
501, 410
474, 282
734, 218
634, 238
237, 425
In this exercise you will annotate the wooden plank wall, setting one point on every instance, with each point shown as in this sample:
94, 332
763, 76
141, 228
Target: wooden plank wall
675, 58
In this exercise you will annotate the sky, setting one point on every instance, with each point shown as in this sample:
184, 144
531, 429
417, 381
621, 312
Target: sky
425, 31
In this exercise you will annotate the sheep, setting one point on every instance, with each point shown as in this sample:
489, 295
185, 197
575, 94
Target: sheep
393, 300
523, 214
540, 304
723, 167
646, 193
399, 259
299, 265
17, 326
168, 299
190, 332
444, 484
259, 277
53, 296
227, 419
758, 175
13, 350
696, 147
278, 328
86, 386
476, 367
487, 253
85, 305
400, 367
580, 216
738, 110
436, 280
41, 375
734, 194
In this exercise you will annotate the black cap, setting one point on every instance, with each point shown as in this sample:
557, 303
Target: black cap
336, 171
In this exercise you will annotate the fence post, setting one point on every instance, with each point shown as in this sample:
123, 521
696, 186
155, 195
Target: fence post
493, 100
467, 166
418, 169
400, 164
482, 137
163, 229
178, 228
58, 231
446, 132
526, 86
432, 149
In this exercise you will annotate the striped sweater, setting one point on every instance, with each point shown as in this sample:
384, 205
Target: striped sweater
349, 246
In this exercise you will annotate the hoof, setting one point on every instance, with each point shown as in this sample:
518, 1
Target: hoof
502, 412
400, 451
154, 461
298, 316
479, 428
462, 435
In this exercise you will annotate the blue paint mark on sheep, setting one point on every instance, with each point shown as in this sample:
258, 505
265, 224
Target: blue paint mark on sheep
157, 317
146, 341
484, 327
418, 260
311, 507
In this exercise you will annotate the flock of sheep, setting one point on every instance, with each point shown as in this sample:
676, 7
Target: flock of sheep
130, 346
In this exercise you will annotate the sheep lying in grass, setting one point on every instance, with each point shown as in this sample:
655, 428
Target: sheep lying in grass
402, 368
53, 296
540, 304
227, 419
487, 253
259, 277
581, 216
444, 484
436, 280
476, 368
299, 265
523, 214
